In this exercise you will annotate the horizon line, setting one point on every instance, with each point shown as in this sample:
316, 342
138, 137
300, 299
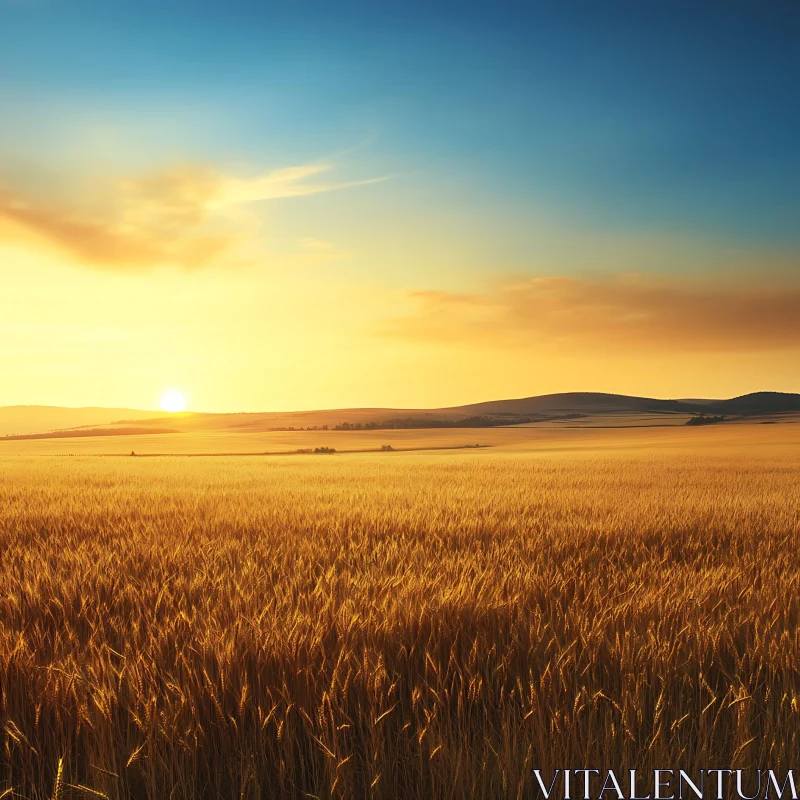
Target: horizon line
173, 414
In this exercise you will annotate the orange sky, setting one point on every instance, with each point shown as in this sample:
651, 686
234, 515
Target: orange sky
113, 305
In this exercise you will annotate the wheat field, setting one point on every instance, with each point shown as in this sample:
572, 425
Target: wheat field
398, 626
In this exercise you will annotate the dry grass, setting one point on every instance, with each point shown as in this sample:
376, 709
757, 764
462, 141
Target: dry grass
401, 626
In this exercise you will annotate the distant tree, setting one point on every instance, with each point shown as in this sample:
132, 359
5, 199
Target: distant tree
702, 419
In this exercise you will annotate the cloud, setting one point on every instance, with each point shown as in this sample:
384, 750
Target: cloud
189, 216
289, 182
629, 313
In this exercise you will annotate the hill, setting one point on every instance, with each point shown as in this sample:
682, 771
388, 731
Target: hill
15, 420
580, 402
759, 403
572, 408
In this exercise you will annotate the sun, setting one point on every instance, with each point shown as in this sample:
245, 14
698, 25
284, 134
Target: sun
173, 401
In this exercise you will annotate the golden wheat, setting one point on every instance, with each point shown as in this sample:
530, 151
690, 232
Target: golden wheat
393, 627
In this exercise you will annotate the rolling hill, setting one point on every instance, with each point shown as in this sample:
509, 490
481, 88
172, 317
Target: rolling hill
579, 403
16, 420
572, 408
758, 403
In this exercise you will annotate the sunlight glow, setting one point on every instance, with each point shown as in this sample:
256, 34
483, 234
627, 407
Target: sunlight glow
173, 401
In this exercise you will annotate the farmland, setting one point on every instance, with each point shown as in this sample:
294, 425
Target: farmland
426, 624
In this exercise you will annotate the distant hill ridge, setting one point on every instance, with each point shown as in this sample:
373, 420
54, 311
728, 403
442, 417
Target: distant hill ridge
760, 403
567, 402
16, 420
588, 402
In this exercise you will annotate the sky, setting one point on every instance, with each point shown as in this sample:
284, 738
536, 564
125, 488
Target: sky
297, 205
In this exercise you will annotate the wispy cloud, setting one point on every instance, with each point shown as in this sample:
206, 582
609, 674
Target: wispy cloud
289, 182
189, 216
630, 313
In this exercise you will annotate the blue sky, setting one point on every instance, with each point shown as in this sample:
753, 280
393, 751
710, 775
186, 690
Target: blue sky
660, 115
